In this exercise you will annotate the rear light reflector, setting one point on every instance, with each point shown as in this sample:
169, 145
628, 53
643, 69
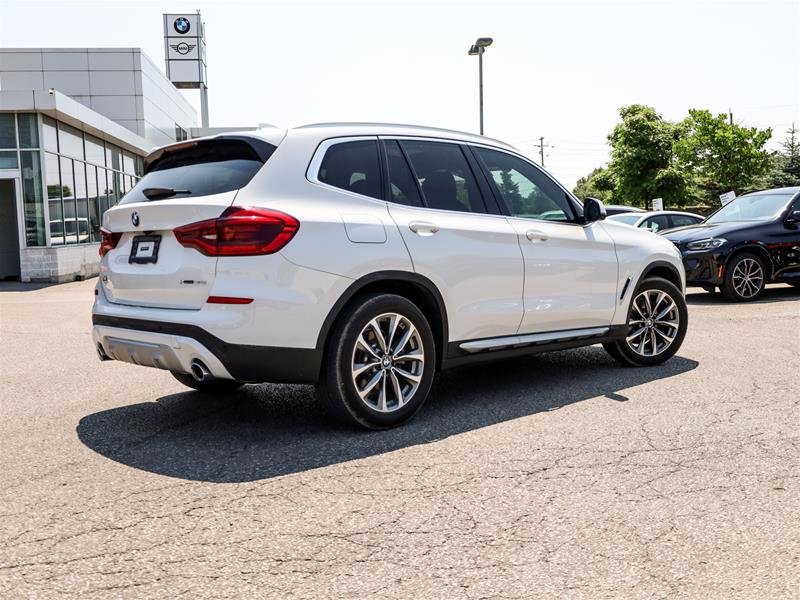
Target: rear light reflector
228, 300
239, 231
108, 241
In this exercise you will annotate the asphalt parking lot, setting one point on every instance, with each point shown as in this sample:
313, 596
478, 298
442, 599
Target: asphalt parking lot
560, 475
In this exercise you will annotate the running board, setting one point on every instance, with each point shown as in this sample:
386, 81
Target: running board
516, 341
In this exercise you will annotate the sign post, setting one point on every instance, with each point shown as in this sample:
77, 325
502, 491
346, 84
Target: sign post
185, 50
658, 204
727, 197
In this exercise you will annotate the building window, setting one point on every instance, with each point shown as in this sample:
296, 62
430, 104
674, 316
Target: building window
8, 159
84, 177
55, 208
95, 151
180, 133
50, 134
8, 131
70, 141
28, 130
32, 203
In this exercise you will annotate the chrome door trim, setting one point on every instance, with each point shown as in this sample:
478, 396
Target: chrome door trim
532, 338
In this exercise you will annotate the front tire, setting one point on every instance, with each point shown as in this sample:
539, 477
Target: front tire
212, 386
379, 363
745, 278
657, 322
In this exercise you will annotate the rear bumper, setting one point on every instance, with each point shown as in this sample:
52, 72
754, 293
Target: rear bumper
173, 346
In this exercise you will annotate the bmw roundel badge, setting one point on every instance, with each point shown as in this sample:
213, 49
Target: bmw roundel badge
135, 218
182, 25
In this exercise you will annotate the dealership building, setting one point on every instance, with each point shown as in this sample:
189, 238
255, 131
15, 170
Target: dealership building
75, 125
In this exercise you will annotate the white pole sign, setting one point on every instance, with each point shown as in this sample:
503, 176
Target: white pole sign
185, 49
658, 204
727, 197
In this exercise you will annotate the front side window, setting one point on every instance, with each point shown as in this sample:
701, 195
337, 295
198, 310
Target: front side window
444, 176
527, 192
656, 223
353, 166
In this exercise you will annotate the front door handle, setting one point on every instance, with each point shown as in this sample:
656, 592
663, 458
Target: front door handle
423, 228
535, 235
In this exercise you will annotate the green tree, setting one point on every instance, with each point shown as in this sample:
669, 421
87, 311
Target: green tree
510, 191
643, 163
785, 166
597, 184
722, 156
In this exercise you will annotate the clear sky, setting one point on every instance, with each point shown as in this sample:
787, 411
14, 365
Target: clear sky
557, 69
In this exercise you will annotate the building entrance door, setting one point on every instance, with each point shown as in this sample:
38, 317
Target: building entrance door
9, 231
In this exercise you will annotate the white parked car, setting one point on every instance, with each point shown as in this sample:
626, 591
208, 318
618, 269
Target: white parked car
364, 258
658, 220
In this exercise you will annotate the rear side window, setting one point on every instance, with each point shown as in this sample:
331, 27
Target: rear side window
402, 187
353, 166
444, 176
683, 220
200, 168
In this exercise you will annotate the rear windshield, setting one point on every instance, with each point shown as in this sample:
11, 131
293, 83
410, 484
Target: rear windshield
201, 169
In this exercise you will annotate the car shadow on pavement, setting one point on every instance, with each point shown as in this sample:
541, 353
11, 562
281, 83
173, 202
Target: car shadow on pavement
266, 431
782, 293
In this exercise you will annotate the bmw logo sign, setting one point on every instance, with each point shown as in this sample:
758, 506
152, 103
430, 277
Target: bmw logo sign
135, 218
182, 25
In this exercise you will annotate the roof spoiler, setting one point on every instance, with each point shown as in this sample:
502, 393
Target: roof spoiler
263, 149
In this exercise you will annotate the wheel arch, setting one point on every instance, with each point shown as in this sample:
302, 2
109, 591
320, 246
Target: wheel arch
753, 248
416, 288
663, 269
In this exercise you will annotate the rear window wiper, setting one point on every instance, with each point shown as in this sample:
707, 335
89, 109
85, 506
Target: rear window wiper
156, 193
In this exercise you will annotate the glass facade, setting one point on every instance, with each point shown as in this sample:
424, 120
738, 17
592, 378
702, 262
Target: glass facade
83, 177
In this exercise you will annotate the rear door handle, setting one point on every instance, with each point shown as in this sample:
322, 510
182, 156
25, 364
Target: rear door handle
535, 235
423, 228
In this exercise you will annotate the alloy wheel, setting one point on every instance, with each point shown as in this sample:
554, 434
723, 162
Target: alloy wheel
653, 323
388, 362
747, 277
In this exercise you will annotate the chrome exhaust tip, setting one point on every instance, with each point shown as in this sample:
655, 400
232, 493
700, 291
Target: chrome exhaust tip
200, 371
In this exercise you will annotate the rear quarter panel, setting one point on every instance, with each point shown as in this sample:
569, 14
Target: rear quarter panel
322, 242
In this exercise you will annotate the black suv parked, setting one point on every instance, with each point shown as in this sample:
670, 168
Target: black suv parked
751, 241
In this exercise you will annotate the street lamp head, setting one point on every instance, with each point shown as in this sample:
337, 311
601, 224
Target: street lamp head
484, 42
473, 50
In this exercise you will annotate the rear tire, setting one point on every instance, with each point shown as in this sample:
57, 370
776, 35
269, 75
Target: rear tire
745, 278
657, 321
379, 363
213, 386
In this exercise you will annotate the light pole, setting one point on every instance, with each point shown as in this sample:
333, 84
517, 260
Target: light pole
478, 49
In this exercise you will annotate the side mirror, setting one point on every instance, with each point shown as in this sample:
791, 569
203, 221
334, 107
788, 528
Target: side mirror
593, 210
793, 218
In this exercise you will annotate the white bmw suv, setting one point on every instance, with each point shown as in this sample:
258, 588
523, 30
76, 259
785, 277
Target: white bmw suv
363, 258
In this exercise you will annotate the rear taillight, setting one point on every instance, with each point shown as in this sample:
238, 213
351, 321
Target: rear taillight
108, 241
239, 232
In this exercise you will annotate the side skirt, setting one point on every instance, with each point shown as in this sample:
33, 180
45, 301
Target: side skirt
529, 344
